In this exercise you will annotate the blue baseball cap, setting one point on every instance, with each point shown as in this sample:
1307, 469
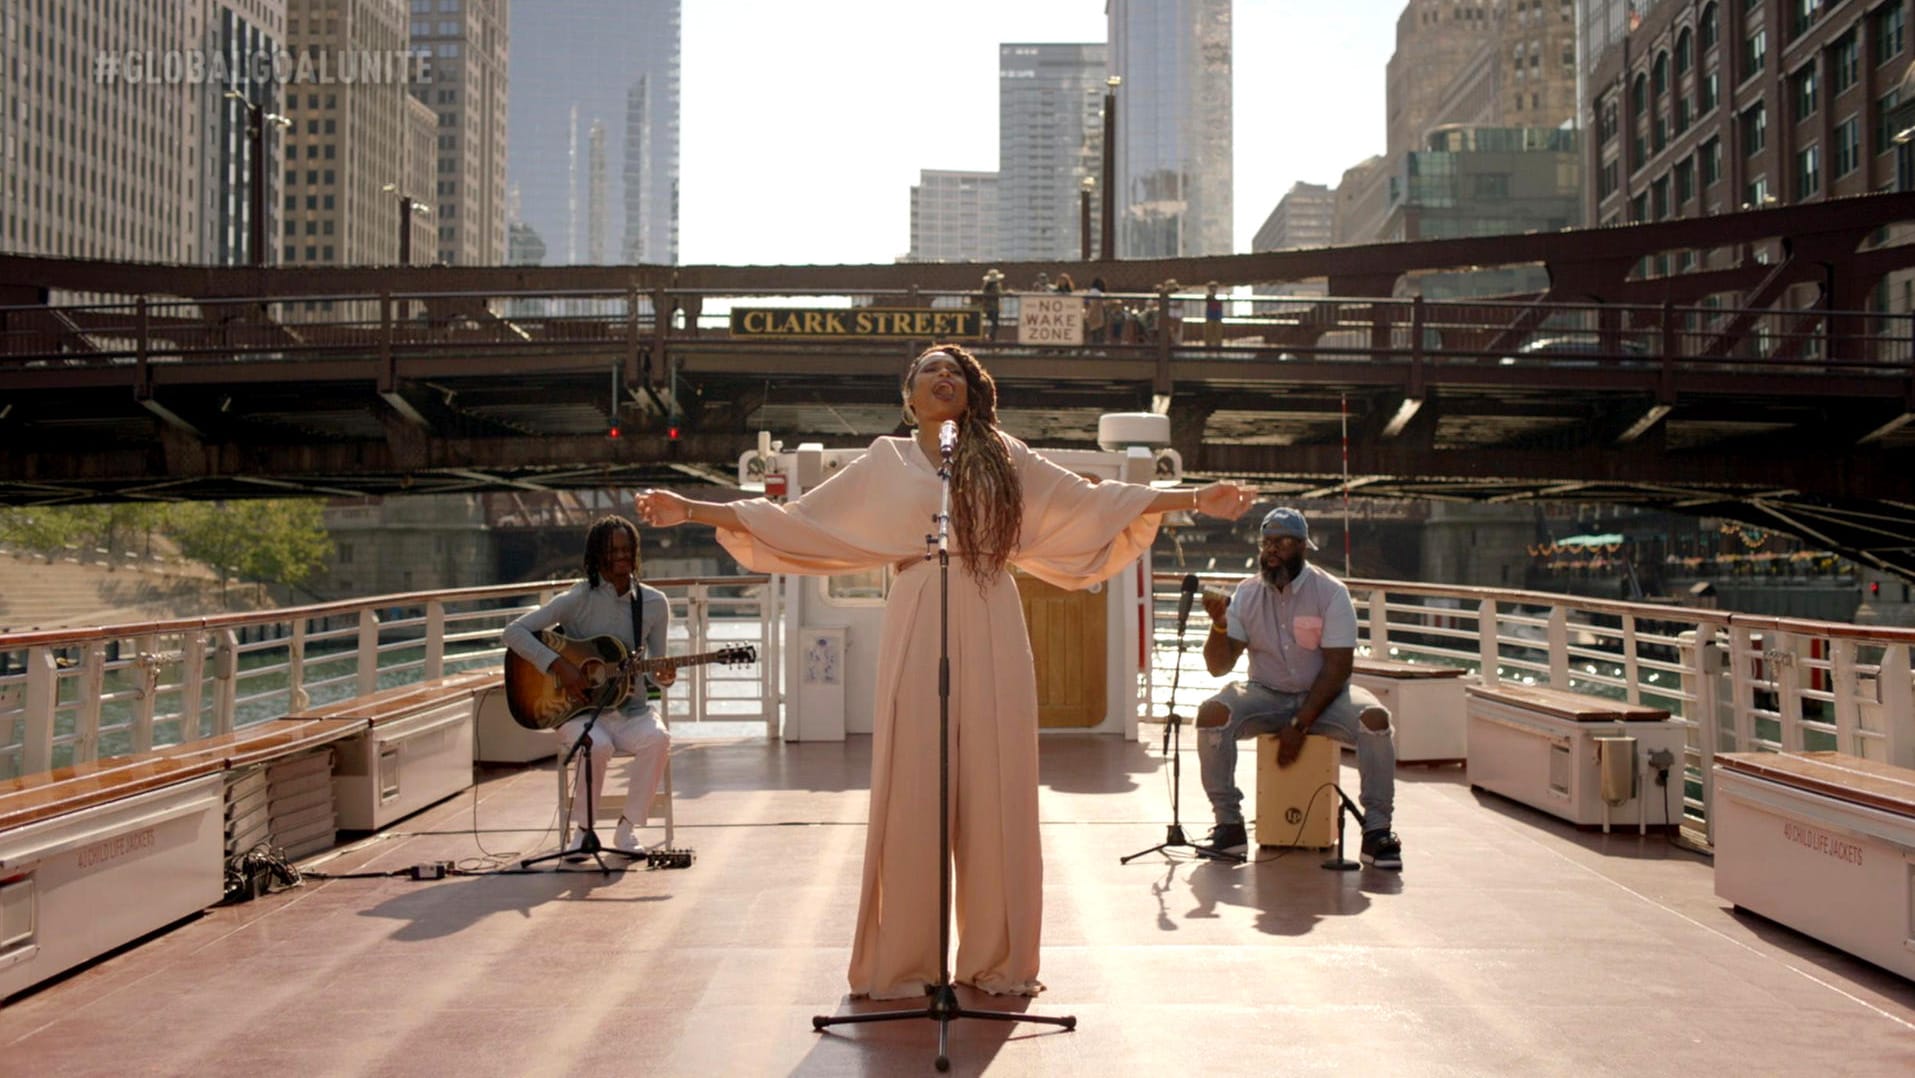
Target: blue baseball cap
1284, 520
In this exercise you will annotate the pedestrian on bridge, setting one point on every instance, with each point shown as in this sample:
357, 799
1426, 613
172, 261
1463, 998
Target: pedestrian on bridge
1009, 506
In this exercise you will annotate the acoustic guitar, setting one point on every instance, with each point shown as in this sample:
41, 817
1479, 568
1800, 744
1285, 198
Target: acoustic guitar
538, 700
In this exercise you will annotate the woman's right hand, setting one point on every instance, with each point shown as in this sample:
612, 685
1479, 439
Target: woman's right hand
661, 508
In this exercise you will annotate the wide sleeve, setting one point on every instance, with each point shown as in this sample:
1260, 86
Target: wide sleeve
1075, 532
835, 527
522, 635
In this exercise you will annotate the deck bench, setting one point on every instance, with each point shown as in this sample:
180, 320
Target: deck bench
1425, 704
1821, 842
415, 750
278, 779
76, 841
1548, 748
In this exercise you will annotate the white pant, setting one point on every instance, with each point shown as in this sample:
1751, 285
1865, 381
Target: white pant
637, 733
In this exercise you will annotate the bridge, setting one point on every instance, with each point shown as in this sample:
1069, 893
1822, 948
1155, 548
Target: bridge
1727, 366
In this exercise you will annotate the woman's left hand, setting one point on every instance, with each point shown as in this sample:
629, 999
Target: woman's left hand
1224, 499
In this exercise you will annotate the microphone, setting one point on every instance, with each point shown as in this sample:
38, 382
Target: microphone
947, 438
1183, 601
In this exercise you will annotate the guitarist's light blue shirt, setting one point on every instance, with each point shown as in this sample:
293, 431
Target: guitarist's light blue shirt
583, 611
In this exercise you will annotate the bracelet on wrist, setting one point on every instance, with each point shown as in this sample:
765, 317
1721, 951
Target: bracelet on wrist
1219, 628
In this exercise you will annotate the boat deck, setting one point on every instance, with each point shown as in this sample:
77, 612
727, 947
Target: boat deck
1511, 944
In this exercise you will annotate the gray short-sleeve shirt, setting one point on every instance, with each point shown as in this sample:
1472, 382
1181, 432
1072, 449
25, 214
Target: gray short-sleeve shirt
1286, 629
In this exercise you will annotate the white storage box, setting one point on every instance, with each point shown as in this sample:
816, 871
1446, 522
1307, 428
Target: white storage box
1823, 843
416, 752
1426, 708
94, 867
1542, 747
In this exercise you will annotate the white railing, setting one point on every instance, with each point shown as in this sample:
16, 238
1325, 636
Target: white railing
1736, 682
71, 696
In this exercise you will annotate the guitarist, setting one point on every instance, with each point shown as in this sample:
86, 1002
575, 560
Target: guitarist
608, 602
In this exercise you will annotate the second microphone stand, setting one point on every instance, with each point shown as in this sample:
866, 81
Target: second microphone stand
1174, 748
944, 1007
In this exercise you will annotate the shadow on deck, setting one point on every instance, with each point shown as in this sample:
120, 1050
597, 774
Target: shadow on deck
1511, 944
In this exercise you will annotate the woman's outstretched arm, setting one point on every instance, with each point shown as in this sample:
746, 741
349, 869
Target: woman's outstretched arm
1222, 499
664, 509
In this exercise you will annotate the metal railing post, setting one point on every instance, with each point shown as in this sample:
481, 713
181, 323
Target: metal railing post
297, 698
86, 716
144, 650
1897, 685
192, 685
1488, 648
368, 654
226, 679
435, 639
1557, 637
43, 694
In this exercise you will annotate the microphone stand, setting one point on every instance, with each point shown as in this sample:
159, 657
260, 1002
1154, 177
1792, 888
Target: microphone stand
1174, 748
589, 845
943, 1007
1340, 863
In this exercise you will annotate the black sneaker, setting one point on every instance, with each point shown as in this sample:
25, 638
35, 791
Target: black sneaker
1382, 849
1226, 836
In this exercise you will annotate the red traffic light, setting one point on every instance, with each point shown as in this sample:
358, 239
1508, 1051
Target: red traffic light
613, 433
671, 433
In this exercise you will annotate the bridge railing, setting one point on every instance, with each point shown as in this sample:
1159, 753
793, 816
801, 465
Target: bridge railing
70, 696
1442, 333
1734, 682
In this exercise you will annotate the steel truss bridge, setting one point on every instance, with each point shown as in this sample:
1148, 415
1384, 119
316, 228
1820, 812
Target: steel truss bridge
1724, 366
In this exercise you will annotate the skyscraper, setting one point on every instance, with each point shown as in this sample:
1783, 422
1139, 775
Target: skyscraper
112, 146
581, 63
954, 217
468, 41
350, 142
1173, 183
1050, 136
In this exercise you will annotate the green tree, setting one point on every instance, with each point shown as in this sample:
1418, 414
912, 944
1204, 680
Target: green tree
49, 529
41, 528
276, 541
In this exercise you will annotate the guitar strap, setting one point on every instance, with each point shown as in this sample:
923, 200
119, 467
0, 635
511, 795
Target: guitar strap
638, 636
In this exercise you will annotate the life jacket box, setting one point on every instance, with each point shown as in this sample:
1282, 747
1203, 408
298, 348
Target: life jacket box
1821, 842
65, 878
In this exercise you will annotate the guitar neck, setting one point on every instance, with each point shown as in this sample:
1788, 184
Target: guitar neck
653, 666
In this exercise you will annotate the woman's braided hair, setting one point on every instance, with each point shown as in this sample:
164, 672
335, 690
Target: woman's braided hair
987, 501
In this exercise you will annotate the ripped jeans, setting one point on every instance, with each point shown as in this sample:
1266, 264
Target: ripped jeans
1256, 709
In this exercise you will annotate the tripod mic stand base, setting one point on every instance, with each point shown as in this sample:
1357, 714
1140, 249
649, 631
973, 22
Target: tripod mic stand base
1341, 864
590, 848
944, 1008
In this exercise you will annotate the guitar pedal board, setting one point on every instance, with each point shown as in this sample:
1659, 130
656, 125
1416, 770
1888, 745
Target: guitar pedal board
669, 859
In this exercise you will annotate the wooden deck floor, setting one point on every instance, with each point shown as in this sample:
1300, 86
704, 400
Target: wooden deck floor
1510, 944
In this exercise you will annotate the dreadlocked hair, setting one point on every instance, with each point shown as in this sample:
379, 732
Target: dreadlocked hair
598, 545
987, 500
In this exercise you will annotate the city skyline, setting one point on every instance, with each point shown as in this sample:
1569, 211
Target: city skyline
759, 187
820, 171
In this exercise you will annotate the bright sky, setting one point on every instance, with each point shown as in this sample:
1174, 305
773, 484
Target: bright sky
805, 124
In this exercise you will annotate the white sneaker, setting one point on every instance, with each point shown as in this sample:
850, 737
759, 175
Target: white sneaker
575, 849
624, 838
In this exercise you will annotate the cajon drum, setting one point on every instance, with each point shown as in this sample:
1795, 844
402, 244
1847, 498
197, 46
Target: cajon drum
1296, 805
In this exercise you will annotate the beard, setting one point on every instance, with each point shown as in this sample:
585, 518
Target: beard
1279, 573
